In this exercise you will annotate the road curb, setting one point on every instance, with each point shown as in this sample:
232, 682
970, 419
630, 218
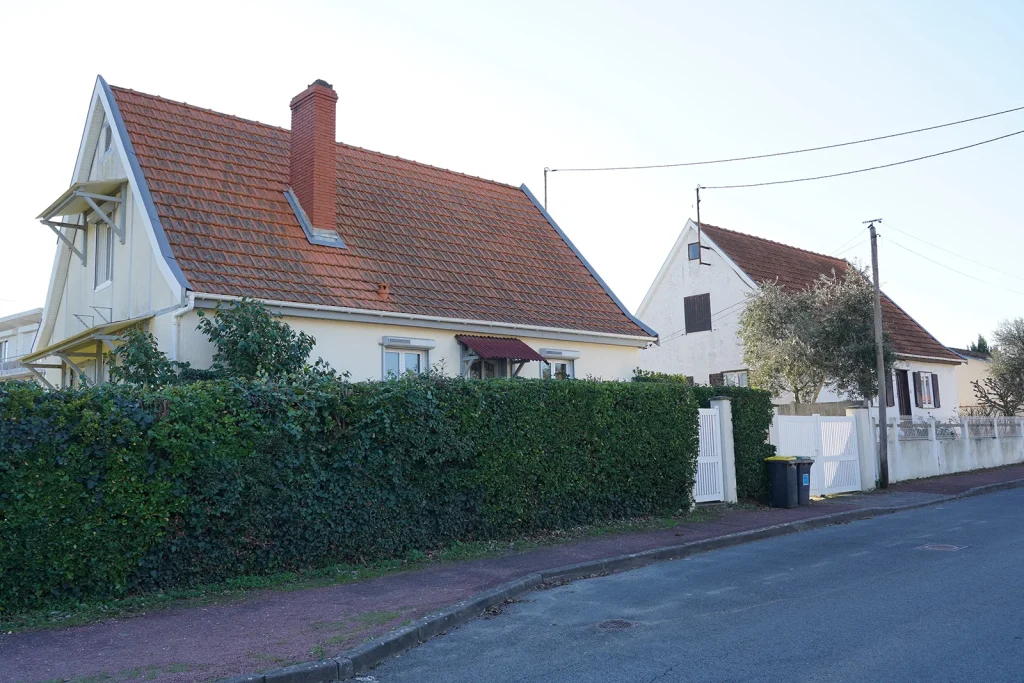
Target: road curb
372, 653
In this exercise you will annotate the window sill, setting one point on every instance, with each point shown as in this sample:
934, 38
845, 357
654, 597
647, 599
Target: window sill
105, 285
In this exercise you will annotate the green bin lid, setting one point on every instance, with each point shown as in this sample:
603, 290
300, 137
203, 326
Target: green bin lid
781, 457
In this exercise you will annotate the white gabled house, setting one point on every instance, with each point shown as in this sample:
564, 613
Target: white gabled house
17, 334
696, 299
392, 265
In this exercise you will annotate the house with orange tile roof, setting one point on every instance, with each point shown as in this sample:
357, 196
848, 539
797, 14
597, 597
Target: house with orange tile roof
698, 295
392, 265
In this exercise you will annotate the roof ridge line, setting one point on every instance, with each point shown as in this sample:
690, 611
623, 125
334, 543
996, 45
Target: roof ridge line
336, 142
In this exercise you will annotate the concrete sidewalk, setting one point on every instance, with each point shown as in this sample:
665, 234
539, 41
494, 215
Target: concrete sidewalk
271, 629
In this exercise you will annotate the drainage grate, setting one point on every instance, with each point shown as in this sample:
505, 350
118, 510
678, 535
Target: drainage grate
940, 546
615, 624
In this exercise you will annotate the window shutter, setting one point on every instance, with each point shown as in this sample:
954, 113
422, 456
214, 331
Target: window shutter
717, 379
890, 400
917, 389
697, 313
935, 390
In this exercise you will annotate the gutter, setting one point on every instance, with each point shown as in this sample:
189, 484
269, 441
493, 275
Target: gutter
393, 315
934, 359
190, 303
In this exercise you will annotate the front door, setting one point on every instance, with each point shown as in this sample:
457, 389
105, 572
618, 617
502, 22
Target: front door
903, 392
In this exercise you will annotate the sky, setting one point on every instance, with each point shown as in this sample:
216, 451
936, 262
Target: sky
502, 90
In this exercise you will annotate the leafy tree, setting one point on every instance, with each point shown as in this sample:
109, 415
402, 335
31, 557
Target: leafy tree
137, 361
980, 346
253, 342
802, 341
1003, 390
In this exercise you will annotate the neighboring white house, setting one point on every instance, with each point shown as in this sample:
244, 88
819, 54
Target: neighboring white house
392, 265
698, 295
974, 369
17, 333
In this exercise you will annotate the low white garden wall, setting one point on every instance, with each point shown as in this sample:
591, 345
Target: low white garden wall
928, 449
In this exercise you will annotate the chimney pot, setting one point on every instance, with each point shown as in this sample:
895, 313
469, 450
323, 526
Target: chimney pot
313, 168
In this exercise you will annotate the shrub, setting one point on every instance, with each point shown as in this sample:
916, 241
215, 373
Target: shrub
112, 490
253, 342
137, 361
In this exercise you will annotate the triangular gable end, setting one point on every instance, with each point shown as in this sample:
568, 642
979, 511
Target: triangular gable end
680, 243
103, 110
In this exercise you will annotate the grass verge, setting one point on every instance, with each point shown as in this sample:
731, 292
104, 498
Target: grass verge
78, 613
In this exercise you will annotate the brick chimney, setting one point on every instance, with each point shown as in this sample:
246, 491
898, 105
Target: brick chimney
314, 172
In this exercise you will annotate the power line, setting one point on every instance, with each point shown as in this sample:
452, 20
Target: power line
861, 170
852, 246
943, 265
855, 236
953, 253
795, 151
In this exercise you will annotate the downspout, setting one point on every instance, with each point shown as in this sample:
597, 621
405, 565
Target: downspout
190, 303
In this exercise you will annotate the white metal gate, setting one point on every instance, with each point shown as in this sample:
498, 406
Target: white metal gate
709, 485
831, 441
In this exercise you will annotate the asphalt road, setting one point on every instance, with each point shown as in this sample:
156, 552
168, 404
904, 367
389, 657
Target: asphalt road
854, 602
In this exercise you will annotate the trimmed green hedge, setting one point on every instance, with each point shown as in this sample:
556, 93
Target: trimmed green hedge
752, 415
110, 491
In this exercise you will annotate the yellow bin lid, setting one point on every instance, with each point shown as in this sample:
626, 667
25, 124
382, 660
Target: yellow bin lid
780, 457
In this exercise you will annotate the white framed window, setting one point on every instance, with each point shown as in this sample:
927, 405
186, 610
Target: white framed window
398, 362
104, 254
402, 355
927, 391
3, 352
558, 363
557, 369
735, 379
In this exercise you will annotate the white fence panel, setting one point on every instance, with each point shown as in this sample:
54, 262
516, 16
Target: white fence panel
709, 485
838, 467
831, 441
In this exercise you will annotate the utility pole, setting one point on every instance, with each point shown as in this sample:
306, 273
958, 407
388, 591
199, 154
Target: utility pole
883, 425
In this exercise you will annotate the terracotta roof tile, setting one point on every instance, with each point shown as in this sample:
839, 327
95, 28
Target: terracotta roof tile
767, 261
446, 244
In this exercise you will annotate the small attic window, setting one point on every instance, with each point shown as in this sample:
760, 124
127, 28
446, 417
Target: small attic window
327, 238
108, 136
693, 251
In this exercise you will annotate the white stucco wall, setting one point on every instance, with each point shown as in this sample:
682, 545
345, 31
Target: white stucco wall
917, 459
355, 347
972, 370
699, 354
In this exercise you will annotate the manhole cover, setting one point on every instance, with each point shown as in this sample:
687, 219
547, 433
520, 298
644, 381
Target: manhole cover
941, 546
615, 624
